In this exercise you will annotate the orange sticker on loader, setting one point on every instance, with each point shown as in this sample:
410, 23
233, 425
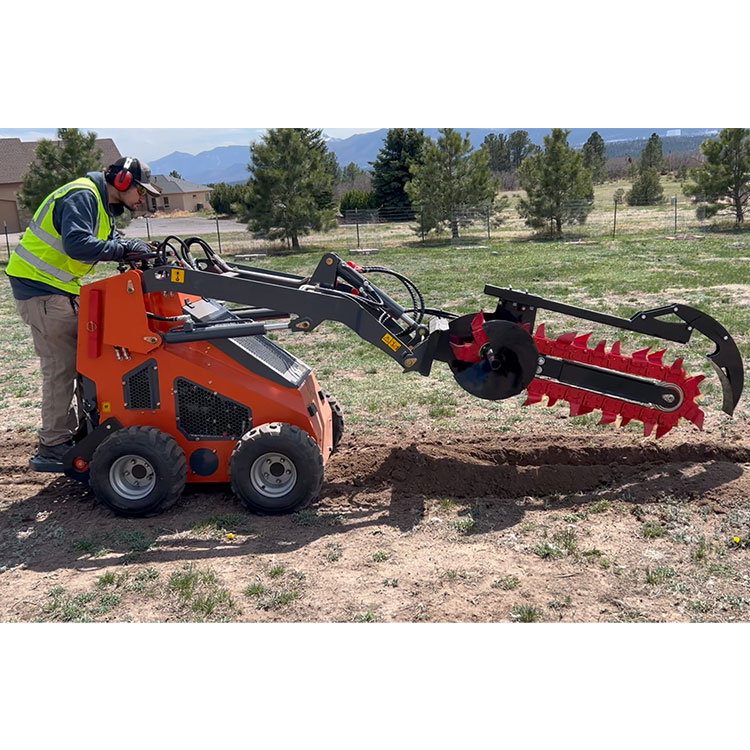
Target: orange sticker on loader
391, 343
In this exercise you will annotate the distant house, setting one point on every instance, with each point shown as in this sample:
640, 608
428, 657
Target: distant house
178, 195
15, 158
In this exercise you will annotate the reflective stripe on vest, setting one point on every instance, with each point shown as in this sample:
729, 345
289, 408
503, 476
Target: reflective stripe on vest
41, 265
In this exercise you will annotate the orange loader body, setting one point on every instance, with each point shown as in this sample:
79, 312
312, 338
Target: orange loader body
118, 342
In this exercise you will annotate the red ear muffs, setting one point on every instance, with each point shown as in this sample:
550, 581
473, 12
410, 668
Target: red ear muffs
124, 178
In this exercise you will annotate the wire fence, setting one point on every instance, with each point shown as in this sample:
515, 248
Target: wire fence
676, 216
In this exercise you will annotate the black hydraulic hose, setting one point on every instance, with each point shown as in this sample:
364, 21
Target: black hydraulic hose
416, 296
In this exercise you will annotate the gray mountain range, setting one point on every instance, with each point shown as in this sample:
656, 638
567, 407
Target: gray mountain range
229, 163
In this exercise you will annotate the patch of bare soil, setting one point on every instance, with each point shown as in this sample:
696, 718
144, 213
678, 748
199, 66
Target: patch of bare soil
582, 527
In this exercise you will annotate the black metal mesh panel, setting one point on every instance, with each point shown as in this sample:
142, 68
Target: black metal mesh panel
274, 357
141, 387
203, 414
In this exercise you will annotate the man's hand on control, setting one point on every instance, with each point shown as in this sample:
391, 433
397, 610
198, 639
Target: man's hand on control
137, 247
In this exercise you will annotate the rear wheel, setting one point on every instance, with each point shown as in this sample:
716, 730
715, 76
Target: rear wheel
276, 468
138, 471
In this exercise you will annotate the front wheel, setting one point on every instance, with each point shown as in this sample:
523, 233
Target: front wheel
276, 468
138, 471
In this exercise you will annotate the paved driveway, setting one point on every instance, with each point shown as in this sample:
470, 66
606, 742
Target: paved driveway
183, 227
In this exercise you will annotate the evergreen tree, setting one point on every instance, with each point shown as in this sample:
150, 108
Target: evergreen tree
724, 179
520, 147
350, 173
652, 156
451, 177
647, 189
390, 170
498, 152
58, 162
595, 157
290, 192
175, 174
558, 186
225, 198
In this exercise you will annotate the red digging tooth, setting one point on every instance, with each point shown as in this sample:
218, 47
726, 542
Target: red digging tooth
551, 400
601, 347
676, 367
540, 332
695, 416
582, 341
624, 421
663, 429
608, 417
641, 354
648, 428
656, 357
616, 348
567, 338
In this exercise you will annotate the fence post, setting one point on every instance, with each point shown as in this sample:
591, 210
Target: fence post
356, 219
148, 230
489, 237
674, 200
614, 227
218, 234
421, 222
7, 243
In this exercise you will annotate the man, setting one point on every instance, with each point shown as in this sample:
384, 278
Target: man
72, 230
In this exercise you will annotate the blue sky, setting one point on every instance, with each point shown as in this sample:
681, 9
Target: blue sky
153, 143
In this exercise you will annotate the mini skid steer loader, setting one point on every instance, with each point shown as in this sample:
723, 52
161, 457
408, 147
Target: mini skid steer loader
178, 381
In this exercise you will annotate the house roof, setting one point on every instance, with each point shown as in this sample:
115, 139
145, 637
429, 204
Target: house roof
172, 185
16, 155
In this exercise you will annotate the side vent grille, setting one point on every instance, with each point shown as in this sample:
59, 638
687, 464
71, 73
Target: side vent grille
141, 387
205, 415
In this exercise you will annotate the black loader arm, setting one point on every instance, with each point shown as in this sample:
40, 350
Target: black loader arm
369, 312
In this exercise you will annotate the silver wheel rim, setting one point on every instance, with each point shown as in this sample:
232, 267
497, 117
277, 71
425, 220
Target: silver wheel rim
273, 475
132, 477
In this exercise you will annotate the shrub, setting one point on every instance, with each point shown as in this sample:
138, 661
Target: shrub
358, 199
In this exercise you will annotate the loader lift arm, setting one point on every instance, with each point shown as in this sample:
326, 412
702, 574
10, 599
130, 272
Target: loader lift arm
336, 291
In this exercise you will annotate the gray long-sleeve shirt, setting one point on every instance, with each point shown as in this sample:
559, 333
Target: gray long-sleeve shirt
74, 217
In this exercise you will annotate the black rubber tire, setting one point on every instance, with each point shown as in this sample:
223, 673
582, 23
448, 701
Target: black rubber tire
160, 450
338, 420
281, 439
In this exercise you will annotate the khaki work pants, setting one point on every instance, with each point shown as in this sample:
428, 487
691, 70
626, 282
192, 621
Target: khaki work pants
53, 320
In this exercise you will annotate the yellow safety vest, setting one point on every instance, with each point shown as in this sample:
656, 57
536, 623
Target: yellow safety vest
40, 255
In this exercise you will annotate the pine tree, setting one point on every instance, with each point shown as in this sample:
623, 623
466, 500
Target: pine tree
498, 152
558, 186
595, 157
652, 156
451, 177
520, 147
724, 179
646, 189
57, 163
390, 170
290, 192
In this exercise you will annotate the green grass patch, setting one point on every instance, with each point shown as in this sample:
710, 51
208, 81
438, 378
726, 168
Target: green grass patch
525, 613
659, 574
507, 583
652, 530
